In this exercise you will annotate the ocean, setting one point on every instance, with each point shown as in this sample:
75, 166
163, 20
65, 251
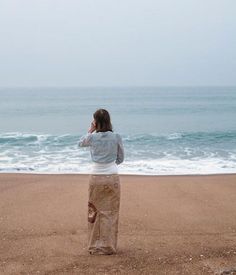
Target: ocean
165, 130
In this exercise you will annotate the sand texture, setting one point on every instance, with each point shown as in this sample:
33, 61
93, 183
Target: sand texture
168, 225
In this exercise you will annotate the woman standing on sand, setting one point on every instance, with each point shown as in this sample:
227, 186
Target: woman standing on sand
107, 152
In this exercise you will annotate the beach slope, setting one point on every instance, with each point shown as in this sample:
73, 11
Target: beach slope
168, 225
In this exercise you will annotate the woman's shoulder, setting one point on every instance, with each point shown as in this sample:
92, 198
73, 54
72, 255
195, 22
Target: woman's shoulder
117, 136
108, 133
112, 135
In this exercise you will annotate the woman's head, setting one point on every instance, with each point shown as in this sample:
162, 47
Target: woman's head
102, 120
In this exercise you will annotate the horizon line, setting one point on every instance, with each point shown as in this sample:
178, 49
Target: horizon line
115, 86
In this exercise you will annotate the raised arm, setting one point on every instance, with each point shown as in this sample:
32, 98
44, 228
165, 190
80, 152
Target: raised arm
85, 141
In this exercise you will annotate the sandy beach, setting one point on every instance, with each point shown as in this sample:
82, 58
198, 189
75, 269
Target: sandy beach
168, 225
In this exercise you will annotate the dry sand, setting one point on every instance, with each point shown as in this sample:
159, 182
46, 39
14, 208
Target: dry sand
168, 225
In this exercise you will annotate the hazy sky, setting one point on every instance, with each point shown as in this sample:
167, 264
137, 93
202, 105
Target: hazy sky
117, 42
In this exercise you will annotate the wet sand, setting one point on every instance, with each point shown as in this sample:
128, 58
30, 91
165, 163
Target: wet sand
168, 225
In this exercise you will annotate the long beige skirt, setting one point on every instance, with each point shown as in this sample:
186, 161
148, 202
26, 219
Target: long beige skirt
103, 213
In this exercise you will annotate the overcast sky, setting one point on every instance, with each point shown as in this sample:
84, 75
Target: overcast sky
117, 42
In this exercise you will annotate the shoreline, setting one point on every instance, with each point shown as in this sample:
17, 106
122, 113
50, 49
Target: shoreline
167, 225
126, 175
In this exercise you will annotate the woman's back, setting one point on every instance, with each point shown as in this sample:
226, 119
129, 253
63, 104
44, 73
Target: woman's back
105, 147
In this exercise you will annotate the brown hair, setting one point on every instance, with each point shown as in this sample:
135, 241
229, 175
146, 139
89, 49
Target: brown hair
102, 120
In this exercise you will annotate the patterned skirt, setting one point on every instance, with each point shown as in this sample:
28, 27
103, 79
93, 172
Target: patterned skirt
103, 213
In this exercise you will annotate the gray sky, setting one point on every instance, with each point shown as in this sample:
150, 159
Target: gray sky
117, 42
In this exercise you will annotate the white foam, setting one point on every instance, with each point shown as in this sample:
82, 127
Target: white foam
65, 157
179, 166
174, 136
140, 167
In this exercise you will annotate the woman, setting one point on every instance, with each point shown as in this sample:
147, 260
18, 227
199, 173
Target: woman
107, 152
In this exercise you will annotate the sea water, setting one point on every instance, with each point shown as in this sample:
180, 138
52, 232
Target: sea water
165, 131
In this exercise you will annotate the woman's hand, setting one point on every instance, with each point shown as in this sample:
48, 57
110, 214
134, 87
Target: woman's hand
92, 127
